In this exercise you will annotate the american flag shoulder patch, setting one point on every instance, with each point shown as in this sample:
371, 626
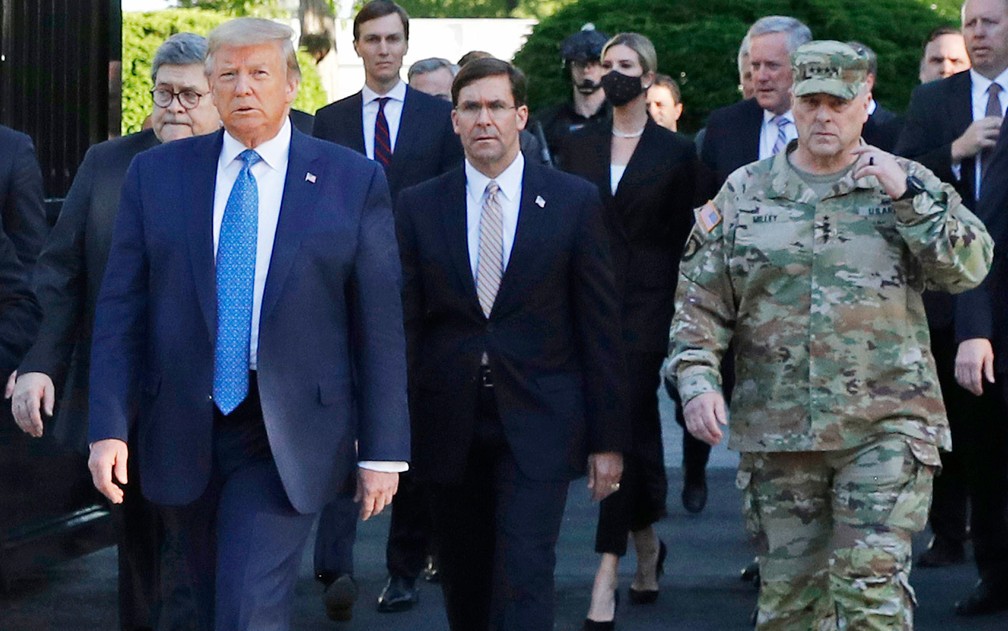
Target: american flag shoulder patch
708, 216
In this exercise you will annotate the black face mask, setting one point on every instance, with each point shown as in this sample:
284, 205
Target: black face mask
619, 88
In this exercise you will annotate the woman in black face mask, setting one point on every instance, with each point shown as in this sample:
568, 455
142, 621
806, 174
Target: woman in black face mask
645, 175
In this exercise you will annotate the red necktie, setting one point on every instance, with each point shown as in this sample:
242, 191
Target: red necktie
382, 139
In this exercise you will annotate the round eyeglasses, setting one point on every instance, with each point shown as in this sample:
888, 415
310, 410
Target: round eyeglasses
187, 98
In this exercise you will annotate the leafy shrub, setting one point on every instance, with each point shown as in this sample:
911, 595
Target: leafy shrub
697, 41
144, 32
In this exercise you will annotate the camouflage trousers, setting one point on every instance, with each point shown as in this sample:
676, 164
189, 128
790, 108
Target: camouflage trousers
833, 532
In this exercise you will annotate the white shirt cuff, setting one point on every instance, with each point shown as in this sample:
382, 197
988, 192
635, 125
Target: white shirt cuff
384, 466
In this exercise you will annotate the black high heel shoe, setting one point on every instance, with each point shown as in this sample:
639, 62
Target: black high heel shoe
649, 596
608, 625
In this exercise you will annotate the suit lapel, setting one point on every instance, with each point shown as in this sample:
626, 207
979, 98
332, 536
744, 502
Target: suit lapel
453, 218
410, 117
201, 172
528, 237
296, 210
355, 130
961, 115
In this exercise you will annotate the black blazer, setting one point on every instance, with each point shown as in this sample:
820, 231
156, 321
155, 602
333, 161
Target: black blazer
983, 312
23, 212
732, 140
648, 219
882, 129
68, 275
939, 112
552, 336
426, 144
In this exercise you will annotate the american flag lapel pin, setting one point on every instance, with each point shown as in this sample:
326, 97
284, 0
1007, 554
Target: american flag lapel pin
540, 202
309, 177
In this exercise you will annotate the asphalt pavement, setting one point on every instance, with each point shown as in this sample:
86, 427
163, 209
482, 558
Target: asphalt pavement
700, 591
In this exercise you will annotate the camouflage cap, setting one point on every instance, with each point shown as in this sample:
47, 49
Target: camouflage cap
829, 67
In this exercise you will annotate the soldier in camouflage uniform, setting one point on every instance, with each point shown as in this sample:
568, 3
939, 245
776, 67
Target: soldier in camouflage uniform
812, 262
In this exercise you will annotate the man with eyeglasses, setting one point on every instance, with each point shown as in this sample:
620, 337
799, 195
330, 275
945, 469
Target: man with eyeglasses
67, 278
512, 337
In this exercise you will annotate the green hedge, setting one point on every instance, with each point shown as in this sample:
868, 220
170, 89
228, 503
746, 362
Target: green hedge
144, 32
697, 41
482, 8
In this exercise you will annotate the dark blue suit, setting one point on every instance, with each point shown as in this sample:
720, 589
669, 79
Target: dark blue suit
970, 489
499, 459
426, 146
330, 355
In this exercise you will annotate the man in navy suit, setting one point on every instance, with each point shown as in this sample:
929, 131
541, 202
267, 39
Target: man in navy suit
409, 133
951, 127
757, 128
250, 312
513, 338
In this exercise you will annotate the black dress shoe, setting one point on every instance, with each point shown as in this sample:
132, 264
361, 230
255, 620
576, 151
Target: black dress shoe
694, 493
649, 596
339, 597
986, 598
942, 552
607, 625
400, 594
431, 571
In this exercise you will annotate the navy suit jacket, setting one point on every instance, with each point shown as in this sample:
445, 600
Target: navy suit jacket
23, 228
331, 358
552, 338
732, 140
882, 129
983, 312
426, 145
939, 112
68, 275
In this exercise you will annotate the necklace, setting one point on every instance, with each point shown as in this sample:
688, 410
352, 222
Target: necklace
622, 134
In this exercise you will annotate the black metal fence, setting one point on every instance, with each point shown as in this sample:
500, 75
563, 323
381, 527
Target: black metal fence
60, 64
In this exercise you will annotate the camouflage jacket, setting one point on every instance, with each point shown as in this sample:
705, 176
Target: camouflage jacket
822, 301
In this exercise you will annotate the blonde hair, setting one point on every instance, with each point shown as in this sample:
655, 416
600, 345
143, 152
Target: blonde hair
639, 44
252, 32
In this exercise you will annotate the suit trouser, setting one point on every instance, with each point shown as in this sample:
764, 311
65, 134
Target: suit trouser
231, 557
640, 500
139, 533
496, 533
834, 532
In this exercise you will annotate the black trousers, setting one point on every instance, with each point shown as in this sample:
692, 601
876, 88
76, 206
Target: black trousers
640, 501
974, 474
139, 533
496, 535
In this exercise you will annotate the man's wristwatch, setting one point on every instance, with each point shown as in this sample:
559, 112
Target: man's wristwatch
914, 187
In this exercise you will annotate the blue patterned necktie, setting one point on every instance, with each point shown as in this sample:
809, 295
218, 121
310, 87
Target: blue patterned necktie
782, 140
236, 257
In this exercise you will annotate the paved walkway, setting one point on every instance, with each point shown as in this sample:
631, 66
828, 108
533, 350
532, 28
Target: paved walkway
700, 590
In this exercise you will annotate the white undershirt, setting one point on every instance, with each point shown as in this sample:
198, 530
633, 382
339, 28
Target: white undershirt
616, 172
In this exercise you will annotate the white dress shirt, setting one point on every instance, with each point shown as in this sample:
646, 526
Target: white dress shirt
270, 174
768, 132
393, 114
509, 197
979, 85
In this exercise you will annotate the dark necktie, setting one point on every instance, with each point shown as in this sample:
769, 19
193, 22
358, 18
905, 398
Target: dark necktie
236, 258
993, 109
382, 138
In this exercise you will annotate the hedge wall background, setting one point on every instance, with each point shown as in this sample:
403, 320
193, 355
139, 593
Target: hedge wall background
144, 32
697, 41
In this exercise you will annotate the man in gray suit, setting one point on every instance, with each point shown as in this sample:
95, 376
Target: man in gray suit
67, 278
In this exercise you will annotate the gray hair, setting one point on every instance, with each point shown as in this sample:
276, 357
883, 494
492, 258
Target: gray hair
429, 65
743, 52
181, 49
797, 33
253, 32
